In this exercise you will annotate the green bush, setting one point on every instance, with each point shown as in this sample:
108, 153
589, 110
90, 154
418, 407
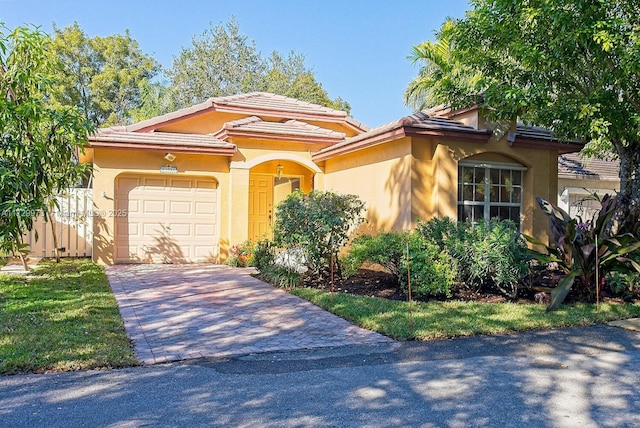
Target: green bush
488, 253
385, 249
264, 254
432, 271
317, 224
281, 276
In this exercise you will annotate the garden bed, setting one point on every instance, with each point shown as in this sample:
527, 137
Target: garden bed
375, 282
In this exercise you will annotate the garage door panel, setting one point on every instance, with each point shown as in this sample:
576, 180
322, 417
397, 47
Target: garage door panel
169, 220
181, 229
178, 207
205, 208
155, 207
204, 230
155, 184
181, 186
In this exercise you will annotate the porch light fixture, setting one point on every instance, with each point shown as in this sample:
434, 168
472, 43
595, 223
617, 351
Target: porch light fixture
170, 157
279, 170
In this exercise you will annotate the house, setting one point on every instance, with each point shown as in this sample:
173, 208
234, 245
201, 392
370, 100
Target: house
579, 178
185, 186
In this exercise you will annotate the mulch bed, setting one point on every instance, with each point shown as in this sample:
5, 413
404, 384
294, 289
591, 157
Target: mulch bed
379, 283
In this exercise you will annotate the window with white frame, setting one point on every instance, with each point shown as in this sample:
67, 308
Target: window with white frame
489, 190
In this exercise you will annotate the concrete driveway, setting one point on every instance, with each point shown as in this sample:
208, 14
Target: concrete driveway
177, 312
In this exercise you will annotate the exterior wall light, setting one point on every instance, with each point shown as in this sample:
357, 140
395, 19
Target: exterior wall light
170, 157
279, 170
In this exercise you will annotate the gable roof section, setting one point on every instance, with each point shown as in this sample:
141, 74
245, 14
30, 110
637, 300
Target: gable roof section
575, 166
417, 124
254, 104
161, 141
288, 130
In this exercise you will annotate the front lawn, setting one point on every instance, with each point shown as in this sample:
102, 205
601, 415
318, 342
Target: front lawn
438, 320
61, 317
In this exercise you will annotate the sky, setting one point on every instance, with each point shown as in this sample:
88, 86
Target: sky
357, 49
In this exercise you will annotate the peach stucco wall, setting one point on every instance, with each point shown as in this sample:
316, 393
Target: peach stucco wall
232, 175
414, 178
380, 176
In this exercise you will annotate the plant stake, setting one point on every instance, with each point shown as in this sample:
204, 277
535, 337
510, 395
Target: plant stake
597, 279
409, 288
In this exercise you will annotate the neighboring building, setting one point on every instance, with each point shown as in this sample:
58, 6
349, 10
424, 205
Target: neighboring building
185, 186
579, 178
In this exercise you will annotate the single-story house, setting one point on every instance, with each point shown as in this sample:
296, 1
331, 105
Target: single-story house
579, 178
185, 186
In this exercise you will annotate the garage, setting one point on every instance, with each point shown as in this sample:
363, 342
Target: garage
164, 219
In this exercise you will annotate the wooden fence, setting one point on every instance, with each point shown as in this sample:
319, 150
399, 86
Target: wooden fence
73, 223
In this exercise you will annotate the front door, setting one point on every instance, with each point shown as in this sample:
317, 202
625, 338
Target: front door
260, 206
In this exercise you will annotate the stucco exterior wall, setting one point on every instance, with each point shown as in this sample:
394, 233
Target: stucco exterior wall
109, 164
415, 178
381, 176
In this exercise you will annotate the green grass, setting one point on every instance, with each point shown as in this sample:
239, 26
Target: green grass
61, 317
438, 320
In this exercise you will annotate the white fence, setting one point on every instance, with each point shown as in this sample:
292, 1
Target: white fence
73, 223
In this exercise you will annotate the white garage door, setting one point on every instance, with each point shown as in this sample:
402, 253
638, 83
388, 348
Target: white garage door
165, 219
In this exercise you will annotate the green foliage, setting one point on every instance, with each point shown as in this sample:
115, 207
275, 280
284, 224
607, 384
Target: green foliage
318, 224
222, 61
242, 255
570, 66
489, 253
579, 248
625, 284
104, 76
264, 254
386, 249
39, 141
431, 271
281, 276
440, 72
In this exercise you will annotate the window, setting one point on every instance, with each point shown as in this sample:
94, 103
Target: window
489, 190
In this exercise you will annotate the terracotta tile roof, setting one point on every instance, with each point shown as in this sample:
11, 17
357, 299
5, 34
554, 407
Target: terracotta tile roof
575, 166
255, 127
257, 104
116, 137
420, 123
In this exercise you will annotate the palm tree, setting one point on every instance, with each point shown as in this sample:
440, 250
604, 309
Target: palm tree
440, 73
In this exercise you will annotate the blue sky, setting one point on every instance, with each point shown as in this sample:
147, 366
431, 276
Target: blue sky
358, 49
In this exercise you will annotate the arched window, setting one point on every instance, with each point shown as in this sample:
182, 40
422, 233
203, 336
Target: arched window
489, 190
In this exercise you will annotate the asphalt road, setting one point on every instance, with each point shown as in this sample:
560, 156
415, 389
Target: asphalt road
577, 377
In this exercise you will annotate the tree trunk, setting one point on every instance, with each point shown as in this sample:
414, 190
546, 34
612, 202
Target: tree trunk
628, 210
55, 237
21, 255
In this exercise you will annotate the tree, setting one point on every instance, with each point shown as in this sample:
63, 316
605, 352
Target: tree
222, 61
38, 140
573, 67
104, 76
318, 224
441, 72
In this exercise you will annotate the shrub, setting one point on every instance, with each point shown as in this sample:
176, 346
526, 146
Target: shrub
499, 255
241, 255
281, 276
580, 247
488, 253
432, 271
264, 254
318, 224
385, 249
